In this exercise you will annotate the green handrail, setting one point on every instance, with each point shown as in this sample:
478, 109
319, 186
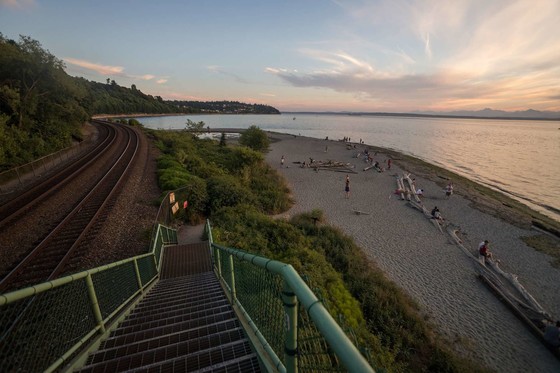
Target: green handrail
73, 310
296, 290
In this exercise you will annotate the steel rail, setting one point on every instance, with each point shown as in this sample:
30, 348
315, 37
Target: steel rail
24, 201
87, 209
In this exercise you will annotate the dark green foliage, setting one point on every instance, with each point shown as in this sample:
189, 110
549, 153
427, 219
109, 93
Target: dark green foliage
39, 103
134, 123
255, 138
233, 175
226, 191
195, 126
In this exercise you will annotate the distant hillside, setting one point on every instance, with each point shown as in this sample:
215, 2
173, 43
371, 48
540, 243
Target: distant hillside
490, 113
222, 107
483, 114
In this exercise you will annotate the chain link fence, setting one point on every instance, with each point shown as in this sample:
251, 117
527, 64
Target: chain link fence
42, 326
271, 296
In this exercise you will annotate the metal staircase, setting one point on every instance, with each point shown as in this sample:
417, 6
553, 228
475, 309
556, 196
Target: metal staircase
184, 324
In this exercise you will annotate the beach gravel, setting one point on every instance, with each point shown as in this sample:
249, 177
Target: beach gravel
421, 260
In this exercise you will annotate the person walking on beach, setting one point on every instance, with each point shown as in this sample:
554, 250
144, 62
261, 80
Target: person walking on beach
347, 187
282, 161
449, 190
389, 163
484, 252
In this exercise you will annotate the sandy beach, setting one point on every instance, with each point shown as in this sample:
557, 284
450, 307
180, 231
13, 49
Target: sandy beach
423, 261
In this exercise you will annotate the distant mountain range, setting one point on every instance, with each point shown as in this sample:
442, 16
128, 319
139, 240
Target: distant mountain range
491, 113
485, 113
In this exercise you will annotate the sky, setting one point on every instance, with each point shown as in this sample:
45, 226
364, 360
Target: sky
309, 55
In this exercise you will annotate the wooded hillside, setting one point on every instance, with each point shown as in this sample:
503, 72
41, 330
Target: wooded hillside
42, 108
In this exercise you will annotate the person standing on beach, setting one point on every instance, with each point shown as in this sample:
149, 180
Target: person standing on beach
389, 163
282, 161
347, 187
449, 190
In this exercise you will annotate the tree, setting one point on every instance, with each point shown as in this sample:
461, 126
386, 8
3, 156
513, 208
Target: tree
255, 138
195, 126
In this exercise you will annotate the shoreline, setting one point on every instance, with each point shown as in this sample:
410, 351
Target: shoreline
484, 198
421, 260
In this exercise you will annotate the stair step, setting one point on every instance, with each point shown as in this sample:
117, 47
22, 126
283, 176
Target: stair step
169, 330
170, 320
243, 364
179, 296
192, 280
211, 348
178, 306
185, 288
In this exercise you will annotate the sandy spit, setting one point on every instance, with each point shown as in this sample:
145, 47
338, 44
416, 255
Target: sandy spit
423, 261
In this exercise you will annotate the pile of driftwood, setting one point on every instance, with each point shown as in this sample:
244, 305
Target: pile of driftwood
331, 165
407, 190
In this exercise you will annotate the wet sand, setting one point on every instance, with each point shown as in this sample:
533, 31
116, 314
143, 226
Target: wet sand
422, 260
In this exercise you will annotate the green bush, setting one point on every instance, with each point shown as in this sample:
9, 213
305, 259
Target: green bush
226, 191
255, 138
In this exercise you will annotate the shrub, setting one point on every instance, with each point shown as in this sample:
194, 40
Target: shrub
255, 138
224, 191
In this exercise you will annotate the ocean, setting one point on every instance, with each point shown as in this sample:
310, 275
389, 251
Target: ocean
520, 158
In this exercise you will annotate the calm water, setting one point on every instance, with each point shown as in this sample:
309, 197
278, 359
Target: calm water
519, 158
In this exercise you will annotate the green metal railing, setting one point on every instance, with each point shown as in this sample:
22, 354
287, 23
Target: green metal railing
42, 327
288, 323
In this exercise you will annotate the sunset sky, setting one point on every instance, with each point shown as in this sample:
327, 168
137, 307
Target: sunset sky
384, 55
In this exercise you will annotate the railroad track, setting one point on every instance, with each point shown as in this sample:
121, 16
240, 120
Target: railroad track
52, 255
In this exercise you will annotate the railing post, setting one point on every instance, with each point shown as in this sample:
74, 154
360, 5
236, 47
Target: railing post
138, 278
94, 303
232, 272
218, 256
290, 345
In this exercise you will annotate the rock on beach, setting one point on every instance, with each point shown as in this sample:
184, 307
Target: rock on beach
423, 261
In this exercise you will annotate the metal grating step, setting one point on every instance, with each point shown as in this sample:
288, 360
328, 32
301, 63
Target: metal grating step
168, 330
166, 290
174, 312
211, 345
183, 260
206, 361
154, 310
179, 298
188, 280
170, 320
244, 364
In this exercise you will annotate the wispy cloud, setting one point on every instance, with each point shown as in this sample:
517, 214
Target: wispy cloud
222, 71
504, 54
107, 70
98, 68
18, 4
